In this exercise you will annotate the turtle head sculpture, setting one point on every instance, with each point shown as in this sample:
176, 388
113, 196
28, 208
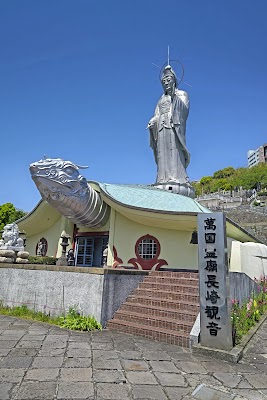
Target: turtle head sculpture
56, 178
62, 186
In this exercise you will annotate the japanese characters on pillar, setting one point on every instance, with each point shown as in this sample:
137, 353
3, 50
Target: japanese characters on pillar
215, 305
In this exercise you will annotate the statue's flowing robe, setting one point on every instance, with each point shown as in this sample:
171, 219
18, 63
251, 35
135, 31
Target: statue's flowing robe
167, 137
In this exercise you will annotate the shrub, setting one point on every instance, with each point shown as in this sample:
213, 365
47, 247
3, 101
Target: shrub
42, 260
75, 320
245, 316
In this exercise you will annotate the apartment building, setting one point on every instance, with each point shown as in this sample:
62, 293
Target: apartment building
257, 156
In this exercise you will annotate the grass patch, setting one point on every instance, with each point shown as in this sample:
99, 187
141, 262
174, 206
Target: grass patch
73, 320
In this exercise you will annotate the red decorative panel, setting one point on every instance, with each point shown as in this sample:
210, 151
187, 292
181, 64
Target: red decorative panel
117, 260
147, 251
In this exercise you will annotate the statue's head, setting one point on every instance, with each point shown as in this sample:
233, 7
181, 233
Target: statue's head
168, 79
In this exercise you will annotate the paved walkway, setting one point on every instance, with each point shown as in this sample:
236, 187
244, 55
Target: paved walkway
40, 361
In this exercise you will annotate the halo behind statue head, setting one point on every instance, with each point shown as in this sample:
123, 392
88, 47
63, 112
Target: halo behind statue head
166, 69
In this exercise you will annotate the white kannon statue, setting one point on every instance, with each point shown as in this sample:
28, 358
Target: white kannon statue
167, 135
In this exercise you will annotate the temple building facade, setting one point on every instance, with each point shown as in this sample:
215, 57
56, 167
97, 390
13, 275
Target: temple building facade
147, 228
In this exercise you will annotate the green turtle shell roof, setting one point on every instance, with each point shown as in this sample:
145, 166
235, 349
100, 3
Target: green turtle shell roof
151, 198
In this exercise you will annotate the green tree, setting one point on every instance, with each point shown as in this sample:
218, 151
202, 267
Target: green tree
218, 184
229, 179
224, 173
9, 214
205, 184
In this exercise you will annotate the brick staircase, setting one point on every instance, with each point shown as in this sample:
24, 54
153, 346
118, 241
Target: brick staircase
163, 307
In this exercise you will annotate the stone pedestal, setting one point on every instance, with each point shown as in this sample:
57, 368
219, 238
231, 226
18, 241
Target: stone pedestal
7, 255
11, 254
62, 261
22, 257
179, 188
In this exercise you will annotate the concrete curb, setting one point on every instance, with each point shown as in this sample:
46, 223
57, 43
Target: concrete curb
236, 353
83, 270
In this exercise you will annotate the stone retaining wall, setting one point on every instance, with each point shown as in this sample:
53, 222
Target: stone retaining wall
53, 289
96, 291
241, 286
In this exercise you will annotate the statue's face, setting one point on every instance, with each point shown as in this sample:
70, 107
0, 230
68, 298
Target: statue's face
168, 83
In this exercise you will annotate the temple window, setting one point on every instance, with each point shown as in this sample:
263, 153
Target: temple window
148, 247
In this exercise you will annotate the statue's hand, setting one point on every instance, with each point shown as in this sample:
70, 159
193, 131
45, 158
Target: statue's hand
151, 123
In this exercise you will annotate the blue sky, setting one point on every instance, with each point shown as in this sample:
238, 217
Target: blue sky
77, 81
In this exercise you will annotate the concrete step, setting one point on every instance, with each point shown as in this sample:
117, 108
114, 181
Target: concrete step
165, 295
144, 309
165, 303
172, 280
161, 334
154, 321
174, 274
170, 287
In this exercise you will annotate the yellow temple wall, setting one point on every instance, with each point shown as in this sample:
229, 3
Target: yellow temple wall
52, 235
175, 245
104, 228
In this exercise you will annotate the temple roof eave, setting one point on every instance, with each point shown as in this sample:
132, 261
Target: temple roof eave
41, 218
168, 219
